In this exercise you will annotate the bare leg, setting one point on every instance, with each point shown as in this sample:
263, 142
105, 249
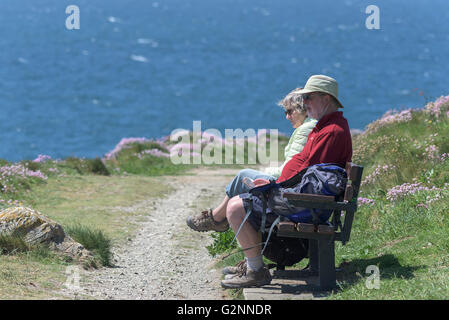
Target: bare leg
219, 213
248, 237
255, 274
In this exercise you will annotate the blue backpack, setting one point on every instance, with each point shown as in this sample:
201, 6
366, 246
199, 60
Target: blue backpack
324, 179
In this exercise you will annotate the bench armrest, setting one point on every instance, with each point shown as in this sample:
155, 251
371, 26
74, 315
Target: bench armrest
317, 201
308, 197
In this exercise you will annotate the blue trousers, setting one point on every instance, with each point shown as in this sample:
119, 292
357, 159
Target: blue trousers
236, 186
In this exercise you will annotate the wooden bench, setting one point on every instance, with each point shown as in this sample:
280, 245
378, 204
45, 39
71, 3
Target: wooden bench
322, 237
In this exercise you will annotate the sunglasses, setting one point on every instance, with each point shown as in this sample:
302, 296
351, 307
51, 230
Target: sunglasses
289, 112
309, 96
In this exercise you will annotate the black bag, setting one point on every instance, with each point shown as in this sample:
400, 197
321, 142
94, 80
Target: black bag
285, 251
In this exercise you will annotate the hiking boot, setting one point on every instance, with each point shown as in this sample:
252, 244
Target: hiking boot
205, 222
250, 278
239, 268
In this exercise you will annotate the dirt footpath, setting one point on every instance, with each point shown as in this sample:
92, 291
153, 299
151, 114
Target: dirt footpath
166, 259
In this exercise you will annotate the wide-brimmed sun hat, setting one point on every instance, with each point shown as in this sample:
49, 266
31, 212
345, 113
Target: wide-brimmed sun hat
322, 83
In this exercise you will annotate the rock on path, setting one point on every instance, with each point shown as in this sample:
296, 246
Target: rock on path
166, 259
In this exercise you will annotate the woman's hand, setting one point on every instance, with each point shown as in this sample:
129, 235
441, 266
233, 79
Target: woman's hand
261, 182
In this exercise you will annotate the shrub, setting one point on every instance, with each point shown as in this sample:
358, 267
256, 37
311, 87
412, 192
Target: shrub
222, 242
93, 240
85, 166
97, 166
10, 244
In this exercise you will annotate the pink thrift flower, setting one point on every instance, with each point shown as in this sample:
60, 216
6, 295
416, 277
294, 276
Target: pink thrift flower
365, 201
123, 144
42, 158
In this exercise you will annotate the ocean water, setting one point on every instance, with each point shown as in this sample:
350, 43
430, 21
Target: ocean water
140, 68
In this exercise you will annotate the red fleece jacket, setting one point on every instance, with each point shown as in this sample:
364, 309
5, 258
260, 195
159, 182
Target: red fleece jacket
329, 142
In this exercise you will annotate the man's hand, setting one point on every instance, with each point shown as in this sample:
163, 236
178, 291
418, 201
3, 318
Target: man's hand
261, 182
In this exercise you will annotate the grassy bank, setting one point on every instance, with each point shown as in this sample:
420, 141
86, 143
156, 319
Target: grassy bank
99, 203
402, 223
93, 210
403, 218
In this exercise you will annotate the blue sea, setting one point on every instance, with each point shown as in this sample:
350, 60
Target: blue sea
140, 68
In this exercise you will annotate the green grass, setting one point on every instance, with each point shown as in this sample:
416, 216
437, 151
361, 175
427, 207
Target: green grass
10, 244
222, 242
128, 162
99, 203
409, 246
405, 238
94, 241
82, 166
14, 244
29, 271
112, 204
98, 211
22, 177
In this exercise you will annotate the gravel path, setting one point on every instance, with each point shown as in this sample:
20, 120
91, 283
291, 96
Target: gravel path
166, 259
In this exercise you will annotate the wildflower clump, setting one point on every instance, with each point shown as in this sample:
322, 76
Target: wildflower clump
184, 149
42, 158
365, 201
431, 194
444, 157
378, 171
438, 107
154, 152
391, 117
15, 176
406, 159
125, 143
398, 192
431, 152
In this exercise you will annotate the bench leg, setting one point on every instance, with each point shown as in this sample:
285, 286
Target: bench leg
280, 267
326, 260
313, 256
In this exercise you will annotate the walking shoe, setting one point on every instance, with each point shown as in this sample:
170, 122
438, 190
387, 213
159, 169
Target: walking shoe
251, 278
205, 222
239, 268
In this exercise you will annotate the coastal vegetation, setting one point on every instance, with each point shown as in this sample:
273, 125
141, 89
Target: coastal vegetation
84, 196
401, 225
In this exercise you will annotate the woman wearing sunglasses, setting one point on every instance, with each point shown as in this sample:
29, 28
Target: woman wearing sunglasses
296, 113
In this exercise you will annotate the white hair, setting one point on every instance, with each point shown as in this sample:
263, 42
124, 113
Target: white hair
294, 101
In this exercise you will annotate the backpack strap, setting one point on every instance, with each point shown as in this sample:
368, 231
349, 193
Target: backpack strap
269, 233
248, 212
261, 193
264, 213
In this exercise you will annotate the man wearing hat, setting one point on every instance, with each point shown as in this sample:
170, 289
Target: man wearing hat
329, 142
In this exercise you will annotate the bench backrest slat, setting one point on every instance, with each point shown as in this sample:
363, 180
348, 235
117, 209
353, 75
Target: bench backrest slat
354, 173
351, 193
